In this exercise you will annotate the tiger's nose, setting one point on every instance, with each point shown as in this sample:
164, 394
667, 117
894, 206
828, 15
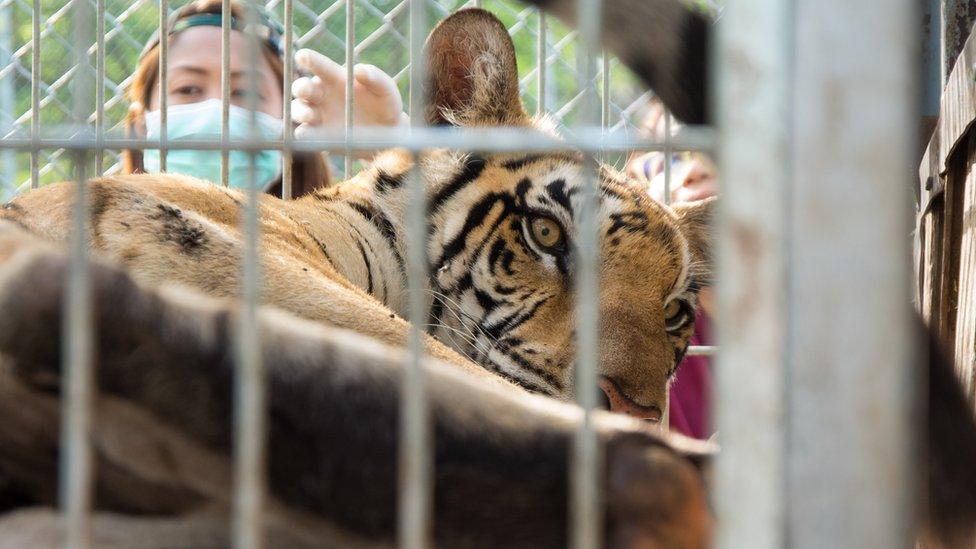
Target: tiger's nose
620, 403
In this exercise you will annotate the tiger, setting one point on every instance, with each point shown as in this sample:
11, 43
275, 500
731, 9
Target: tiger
501, 242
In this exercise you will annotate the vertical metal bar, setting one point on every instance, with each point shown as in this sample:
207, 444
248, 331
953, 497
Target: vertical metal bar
752, 57
350, 65
76, 459
416, 463
163, 81
99, 84
8, 158
586, 499
668, 153
36, 16
251, 402
287, 155
605, 95
540, 47
851, 388
225, 20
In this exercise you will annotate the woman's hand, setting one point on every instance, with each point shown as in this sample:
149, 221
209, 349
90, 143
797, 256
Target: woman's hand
319, 100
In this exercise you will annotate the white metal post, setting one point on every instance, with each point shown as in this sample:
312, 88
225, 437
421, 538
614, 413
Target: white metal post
752, 57
851, 388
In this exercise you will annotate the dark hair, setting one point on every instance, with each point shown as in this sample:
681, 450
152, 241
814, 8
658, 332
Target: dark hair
309, 170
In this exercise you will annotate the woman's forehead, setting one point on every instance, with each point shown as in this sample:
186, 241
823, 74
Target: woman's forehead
198, 49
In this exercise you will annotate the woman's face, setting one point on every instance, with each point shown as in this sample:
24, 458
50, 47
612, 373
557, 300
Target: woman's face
194, 72
693, 176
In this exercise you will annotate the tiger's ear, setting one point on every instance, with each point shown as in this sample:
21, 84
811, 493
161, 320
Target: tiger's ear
473, 74
695, 222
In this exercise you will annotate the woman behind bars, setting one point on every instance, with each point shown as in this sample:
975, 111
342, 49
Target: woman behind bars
194, 99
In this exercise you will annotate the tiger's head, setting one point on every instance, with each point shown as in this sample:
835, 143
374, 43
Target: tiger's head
503, 228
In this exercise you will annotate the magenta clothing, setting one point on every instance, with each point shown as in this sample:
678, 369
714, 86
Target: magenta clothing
691, 391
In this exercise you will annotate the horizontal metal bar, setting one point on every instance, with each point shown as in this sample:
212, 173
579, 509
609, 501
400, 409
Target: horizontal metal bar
702, 350
367, 139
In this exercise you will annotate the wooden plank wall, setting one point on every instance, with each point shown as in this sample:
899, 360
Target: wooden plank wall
946, 230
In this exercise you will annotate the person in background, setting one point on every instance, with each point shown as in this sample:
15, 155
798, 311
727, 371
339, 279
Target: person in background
693, 177
194, 99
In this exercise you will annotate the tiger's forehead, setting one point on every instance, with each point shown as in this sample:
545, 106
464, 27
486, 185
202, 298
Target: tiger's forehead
633, 225
559, 177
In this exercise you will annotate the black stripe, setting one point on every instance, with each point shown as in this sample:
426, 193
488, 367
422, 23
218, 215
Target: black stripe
436, 311
383, 225
557, 190
507, 346
513, 320
494, 254
527, 385
471, 170
476, 215
486, 302
101, 201
385, 181
369, 268
518, 163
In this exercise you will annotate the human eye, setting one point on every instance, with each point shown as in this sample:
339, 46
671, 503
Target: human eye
242, 93
185, 90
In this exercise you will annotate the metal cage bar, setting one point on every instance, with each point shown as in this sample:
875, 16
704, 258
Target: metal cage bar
752, 247
851, 346
163, 81
287, 156
350, 95
541, 64
77, 408
415, 494
35, 90
99, 83
250, 415
585, 508
225, 94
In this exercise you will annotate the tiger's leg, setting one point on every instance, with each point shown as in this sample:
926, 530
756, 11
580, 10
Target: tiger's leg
501, 455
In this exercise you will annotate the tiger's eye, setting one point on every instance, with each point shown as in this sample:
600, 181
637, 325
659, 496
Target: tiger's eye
546, 232
672, 310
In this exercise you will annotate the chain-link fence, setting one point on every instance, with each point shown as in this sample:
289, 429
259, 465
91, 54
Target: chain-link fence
381, 40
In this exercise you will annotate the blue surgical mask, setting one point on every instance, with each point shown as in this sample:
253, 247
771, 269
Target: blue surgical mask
201, 122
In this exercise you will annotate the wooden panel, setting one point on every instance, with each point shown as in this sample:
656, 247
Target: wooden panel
931, 264
950, 240
965, 339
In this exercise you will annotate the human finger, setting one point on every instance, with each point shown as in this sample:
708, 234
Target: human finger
375, 81
309, 89
330, 72
302, 113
